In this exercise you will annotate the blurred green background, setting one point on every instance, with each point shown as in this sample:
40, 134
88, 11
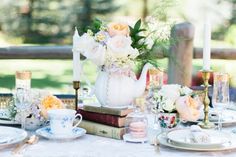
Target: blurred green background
43, 22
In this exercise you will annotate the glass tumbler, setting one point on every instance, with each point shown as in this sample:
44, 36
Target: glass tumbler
220, 98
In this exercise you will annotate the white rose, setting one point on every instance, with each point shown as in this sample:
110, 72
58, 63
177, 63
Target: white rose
185, 91
84, 43
133, 52
168, 105
120, 46
171, 91
97, 54
91, 49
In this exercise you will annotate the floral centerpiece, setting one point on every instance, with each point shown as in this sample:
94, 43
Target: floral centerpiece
39, 102
178, 101
115, 45
115, 48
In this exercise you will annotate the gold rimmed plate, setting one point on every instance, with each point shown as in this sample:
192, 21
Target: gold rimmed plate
184, 136
164, 141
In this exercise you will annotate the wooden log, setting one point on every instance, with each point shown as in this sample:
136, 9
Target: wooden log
181, 54
64, 52
217, 53
36, 52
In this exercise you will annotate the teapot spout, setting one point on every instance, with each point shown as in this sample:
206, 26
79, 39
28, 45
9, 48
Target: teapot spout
140, 84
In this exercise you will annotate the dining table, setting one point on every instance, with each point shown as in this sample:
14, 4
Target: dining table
96, 146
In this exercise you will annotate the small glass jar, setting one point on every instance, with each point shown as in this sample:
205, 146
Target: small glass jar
136, 127
23, 79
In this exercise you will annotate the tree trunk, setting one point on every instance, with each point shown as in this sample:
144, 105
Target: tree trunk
145, 9
181, 54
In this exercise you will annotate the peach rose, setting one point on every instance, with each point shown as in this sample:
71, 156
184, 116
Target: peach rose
188, 108
50, 102
118, 29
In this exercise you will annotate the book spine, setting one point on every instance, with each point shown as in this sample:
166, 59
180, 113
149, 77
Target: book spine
102, 110
103, 118
102, 130
110, 111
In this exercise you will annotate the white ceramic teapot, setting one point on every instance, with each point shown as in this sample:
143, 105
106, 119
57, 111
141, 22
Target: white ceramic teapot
118, 90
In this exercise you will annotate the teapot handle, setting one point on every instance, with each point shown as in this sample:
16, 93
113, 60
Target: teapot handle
87, 81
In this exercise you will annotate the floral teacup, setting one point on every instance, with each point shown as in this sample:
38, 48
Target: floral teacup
61, 121
167, 121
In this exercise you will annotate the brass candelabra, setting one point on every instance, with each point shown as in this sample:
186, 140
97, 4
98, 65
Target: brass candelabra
206, 124
76, 85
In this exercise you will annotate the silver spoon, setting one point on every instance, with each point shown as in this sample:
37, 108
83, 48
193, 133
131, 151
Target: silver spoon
19, 148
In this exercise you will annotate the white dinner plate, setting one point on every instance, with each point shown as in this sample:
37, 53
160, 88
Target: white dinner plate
183, 137
10, 136
8, 122
228, 117
227, 146
46, 133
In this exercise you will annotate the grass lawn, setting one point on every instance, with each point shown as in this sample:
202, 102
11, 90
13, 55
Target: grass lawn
56, 75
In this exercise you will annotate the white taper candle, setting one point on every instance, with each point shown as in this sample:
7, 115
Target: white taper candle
76, 57
207, 45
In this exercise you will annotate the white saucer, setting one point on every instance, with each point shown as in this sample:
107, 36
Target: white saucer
129, 138
46, 133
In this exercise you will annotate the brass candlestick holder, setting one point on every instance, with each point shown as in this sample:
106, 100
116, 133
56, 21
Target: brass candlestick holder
76, 85
206, 124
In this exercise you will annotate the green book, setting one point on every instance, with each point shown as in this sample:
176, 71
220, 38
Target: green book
102, 130
105, 110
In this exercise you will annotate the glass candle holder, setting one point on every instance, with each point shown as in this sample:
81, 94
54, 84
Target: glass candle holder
136, 124
155, 78
23, 79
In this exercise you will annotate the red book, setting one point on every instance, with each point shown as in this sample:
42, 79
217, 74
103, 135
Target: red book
116, 121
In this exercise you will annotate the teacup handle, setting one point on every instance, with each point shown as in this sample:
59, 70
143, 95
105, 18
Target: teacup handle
80, 119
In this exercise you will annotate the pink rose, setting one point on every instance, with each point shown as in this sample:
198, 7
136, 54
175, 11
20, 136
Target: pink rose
188, 108
118, 29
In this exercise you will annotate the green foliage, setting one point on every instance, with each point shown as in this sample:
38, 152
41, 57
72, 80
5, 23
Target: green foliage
95, 26
161, 8
230, 35
43, 21
159, 33
136, 36
224, 31
94, 8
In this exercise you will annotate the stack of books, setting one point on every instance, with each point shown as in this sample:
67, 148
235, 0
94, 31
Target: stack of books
104, 121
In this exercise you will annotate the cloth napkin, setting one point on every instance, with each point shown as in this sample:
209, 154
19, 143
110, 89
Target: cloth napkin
197, 135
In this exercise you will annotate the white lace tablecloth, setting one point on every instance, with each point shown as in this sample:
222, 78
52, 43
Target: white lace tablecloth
94, 146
